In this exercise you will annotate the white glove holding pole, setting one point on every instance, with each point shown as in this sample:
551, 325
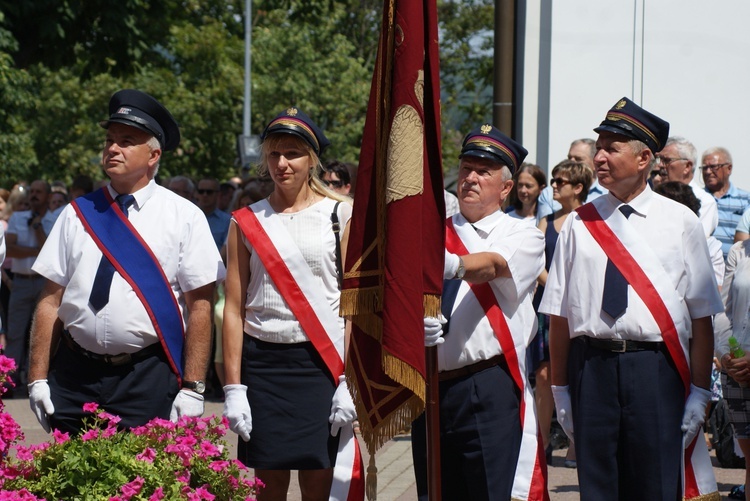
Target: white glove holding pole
237, 410
40, 402
564, 408
342, 407
433, 330
695, 413
186, 403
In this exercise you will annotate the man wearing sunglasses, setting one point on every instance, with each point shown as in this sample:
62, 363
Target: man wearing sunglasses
207, 196
336, 177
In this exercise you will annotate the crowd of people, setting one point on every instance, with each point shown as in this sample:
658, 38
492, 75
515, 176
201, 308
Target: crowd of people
589, 296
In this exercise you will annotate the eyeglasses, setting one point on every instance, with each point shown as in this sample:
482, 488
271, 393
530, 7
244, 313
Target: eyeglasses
658, 172
205, 192
665, 161
333, 184
706, 168
558, 181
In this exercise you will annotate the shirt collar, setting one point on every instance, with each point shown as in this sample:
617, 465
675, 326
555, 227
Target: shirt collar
487, 223
640, 204
141, 196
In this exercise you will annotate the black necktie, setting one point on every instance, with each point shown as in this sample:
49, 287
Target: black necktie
99, 296
615, 296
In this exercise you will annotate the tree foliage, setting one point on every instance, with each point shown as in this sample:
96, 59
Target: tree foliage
61, 60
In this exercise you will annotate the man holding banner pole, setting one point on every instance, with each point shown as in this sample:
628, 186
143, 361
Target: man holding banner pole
124, 320
488, 431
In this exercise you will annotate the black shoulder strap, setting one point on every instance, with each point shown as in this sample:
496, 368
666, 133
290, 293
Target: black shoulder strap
336, 230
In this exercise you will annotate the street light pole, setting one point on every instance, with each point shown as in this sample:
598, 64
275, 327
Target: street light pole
248, 36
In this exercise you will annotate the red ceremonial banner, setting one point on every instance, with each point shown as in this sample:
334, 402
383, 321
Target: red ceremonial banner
394, 260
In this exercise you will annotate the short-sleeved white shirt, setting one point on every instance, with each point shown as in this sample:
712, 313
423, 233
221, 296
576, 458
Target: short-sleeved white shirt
178, 234
576, 277
470, 338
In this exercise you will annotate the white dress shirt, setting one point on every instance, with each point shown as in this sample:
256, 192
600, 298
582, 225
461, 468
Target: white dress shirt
470, 338
178, 234
675, 237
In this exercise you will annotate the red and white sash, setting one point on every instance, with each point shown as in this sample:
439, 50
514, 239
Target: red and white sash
645, 274
530, 482
295, 281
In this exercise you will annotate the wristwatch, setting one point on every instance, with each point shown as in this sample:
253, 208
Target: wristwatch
460, 271
197, 386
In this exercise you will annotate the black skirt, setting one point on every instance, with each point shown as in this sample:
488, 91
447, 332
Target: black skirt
290, 390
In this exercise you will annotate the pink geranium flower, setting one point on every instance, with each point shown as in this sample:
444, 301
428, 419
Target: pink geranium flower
90, 435
90, 407
158, 495
60, 437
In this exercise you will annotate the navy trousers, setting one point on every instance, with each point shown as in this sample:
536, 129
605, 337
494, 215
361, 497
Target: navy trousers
480, 437
136, 392
627, 413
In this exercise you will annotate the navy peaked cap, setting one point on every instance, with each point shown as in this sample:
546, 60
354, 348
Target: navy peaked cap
138, 109
488, 142
295, 121
628, 119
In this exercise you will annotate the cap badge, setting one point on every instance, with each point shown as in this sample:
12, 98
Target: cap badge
291, 112
124, 111
486, 128
620, 105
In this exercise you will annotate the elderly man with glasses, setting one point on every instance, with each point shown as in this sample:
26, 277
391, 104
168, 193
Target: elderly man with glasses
677, 162
716, 166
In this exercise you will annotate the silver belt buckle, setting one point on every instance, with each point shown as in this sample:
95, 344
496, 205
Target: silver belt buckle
622, 345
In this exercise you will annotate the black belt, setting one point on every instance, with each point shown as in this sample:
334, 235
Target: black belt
468, 370
621, 345
26, 275
113, 360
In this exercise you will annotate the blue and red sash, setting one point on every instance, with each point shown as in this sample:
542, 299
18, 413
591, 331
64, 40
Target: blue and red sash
131, 256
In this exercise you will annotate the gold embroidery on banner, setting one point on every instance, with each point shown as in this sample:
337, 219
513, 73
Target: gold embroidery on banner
405, 155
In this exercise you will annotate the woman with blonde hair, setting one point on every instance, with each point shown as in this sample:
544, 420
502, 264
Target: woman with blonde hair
282, 337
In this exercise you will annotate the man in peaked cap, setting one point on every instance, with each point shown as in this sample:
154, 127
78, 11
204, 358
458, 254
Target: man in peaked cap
488, 429
124, 317
631, 293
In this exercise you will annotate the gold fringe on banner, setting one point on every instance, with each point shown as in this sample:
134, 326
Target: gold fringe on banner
404, 374
360, 301
711, 496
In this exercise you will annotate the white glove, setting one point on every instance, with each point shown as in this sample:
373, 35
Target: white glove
695, 412
564, 408
433, 330
41, 402
451, 266
342, 407
237, 410
186, 403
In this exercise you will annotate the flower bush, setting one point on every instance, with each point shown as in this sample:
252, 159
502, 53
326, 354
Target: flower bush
161, 460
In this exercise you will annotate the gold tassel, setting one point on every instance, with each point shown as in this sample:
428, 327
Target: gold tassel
371, 484
431, 305
360, 301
